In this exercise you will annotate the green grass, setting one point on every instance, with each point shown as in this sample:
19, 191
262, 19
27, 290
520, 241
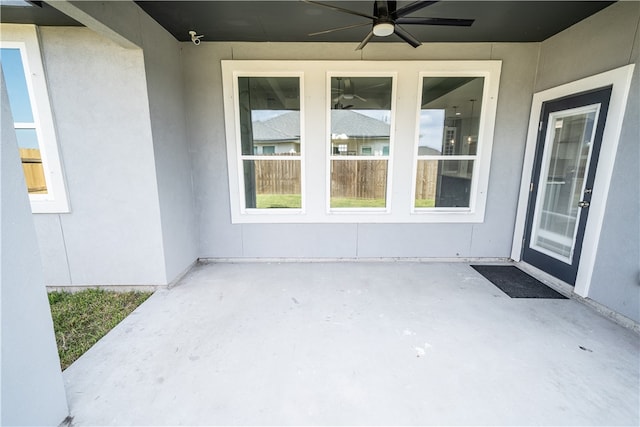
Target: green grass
266, 201
354, 202
425, 203
80, 319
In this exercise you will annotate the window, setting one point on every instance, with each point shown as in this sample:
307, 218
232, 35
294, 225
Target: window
450, 110
360, 130
28, 99
269, 114
359, 141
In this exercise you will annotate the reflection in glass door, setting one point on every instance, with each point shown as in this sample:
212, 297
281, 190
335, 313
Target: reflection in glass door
562, 182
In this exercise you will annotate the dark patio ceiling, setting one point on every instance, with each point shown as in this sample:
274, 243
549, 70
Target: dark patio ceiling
292, 20
36, 12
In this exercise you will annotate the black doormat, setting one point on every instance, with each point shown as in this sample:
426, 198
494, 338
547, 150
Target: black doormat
515, 282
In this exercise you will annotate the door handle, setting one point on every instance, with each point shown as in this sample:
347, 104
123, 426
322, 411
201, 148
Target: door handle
583, 204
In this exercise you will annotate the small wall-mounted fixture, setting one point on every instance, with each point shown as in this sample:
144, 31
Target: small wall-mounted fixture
195, 39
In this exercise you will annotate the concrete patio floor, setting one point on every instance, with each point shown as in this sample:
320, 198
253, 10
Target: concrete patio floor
360, 343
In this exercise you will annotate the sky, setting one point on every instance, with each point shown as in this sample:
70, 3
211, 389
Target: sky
18, 95
16, 85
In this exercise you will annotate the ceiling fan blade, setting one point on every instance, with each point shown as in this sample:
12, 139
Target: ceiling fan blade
365, 41
339, 9
412, 7
404, 35
436, 21
339, 29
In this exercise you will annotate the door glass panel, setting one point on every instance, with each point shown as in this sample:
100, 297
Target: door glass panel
360, 129
566, 159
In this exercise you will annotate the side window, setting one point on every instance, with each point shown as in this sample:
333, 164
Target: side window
448, 142
28, 98
24, 122
270, 142
361, 113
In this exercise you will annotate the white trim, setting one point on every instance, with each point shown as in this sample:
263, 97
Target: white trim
25, 38
620, 79
238, 143
316, 156
354, 260
490, 71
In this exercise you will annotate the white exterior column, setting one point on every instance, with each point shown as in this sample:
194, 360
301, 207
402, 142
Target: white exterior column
32, 390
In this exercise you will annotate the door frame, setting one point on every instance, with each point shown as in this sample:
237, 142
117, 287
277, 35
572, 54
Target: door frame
620, 79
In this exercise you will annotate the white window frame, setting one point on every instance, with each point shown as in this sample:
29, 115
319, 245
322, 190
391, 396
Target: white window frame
25, 38
244, 210
481, 160
315, 110
330, 156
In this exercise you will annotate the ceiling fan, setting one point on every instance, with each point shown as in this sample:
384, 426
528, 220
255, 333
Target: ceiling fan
346, 90
386, 19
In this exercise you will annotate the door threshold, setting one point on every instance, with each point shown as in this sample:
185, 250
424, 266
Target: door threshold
553, 282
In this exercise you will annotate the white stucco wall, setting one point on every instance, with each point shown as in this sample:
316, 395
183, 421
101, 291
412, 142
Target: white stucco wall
162, 60
220, 238
116, 92
98, 94
605, 41
31, 387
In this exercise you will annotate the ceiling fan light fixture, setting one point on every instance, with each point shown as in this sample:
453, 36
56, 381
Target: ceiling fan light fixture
383, 29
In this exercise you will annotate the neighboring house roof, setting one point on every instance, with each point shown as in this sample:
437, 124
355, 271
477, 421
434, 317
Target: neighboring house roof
351, 123
264, 132
428, 151
354, 124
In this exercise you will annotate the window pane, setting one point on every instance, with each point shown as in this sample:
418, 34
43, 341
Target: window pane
16, 85
27, 138
360, 116
443, 183
360, 126
450, 115
272, 184
358, 183
31, 161
269, 115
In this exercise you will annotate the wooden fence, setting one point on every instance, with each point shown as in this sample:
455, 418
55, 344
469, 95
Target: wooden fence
360, 179
33, 171
277, 176
363, 179
426, 179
